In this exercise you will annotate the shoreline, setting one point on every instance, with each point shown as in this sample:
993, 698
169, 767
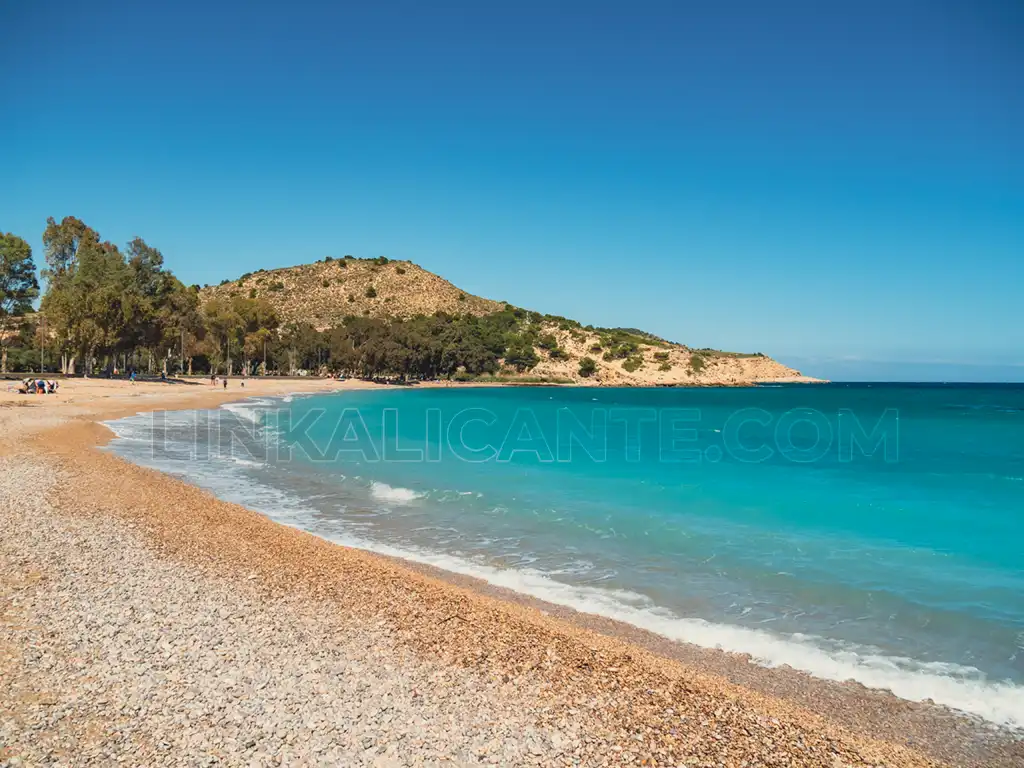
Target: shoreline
846, 714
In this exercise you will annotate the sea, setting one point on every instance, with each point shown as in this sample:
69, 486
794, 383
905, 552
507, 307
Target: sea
867, 532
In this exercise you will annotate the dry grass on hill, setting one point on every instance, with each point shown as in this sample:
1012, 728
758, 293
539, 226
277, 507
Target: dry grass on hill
325, 292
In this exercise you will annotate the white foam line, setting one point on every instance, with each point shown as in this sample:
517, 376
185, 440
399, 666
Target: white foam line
951, 685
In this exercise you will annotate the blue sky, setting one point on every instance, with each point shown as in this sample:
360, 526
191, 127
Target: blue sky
839, 185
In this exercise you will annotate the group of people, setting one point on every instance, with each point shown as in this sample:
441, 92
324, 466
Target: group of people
32, 386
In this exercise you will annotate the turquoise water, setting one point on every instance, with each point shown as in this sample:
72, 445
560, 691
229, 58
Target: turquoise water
872, 532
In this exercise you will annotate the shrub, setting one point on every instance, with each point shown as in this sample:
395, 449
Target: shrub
351, 297
400, 270
462, 297
666, 366
587, 367
697, 363
371, 292
277, 285
328, 259
559, 354
366, 311
252, 293
245, 277
326, 283
595, 348
661, 356
633, 363
380, 261
521, 356
343, 264
547, 341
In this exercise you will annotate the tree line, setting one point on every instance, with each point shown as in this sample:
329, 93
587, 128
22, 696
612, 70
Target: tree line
106, 310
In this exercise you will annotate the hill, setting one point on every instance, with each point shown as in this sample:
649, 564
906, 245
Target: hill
324, 293
329, 293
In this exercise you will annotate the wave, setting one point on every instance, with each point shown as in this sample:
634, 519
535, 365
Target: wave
249, 410
952, 685
384, 492
958, 687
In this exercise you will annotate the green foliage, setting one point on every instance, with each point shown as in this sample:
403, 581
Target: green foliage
18, 288
380, 261
343, 264
462, 297
104, 303
666, 366
400, 270
588, 367
252, 293
596, 348
547, 341
326, 283
351, 298
328, 259
633, 363
62, 242
661, 356
697, 362
371, 292
559, 354
520, 355
276, 286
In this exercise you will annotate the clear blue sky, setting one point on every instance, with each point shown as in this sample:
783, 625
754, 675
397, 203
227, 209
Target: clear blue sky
837, 184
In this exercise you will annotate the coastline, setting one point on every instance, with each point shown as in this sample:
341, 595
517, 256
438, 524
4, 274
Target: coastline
636, 676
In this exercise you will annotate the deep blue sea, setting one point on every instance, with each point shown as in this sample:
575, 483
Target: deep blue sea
864, 531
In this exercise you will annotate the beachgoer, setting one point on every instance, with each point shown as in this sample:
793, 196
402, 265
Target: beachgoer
225, 382
133, 377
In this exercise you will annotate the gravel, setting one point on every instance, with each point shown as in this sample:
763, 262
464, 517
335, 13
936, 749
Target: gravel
110, 654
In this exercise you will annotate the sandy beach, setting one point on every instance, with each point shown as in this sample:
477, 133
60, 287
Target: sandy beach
147, 622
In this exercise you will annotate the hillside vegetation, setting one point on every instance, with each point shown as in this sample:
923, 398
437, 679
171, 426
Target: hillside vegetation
108, 309
375, 317
324, 293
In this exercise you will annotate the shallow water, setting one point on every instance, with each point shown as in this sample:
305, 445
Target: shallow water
871, 532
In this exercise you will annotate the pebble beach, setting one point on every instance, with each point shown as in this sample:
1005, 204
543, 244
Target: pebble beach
145, 622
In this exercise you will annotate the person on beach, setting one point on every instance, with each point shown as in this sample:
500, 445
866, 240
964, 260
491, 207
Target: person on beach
132, 377
225, 380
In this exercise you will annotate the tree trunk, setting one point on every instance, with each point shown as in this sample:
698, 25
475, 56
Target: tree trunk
3, 360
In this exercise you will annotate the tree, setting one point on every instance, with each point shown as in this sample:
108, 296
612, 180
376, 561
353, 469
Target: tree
521, 356
62, 242
18, 288
90, 299
587, 367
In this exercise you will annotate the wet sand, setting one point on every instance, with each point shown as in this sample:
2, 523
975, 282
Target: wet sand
636, 697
